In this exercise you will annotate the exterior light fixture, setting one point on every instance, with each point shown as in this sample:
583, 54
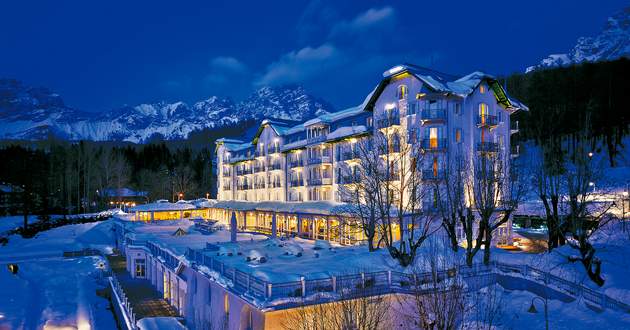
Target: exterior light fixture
395, 69
590, 154
590, 184
390, 106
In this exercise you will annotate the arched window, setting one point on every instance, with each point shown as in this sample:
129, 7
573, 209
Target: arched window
402, 92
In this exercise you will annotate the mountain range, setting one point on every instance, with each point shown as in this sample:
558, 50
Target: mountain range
612, 43
35, 113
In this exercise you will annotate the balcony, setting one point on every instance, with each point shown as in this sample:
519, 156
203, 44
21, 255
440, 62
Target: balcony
487, 147
316, 139
347, 155
227, 188
319, 160
227, 174
433, 116
258, 169
259, 185
296, 183
275, 184
392, 148
245, 187
392, 120
348, 179
243, 171
319, 181
515, 151
296, 163
487, 121
433, 144
432, 175
259, 153
274, 166
514, 127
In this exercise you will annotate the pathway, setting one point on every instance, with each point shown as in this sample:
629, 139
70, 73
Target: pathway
145, 300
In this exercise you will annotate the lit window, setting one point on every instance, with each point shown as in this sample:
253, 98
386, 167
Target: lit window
458, 135
482, 89
402, 92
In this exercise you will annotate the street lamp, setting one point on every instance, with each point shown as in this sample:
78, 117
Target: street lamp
532, 309
181, 195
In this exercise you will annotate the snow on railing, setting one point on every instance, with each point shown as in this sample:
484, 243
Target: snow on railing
123, 302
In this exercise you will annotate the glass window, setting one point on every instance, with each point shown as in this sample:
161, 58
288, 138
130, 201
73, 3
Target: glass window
402, 92
482, 89
458, 135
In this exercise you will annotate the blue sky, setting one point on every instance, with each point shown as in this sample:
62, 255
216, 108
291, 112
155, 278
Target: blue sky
102, 55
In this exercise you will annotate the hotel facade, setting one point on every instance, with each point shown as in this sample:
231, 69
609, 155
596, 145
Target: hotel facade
438, 116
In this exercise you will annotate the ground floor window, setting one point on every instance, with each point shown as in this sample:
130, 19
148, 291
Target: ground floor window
140, 267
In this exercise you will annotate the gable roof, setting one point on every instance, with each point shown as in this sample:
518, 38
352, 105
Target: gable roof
446, 83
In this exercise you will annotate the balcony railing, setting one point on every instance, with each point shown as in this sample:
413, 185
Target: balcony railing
433, 144
433, 115
487, 120
487, 147
274, 166
227, 188
316, 139
296, 183
258, 169
431, 175
227, 174
348, 179
243, 171
319, 181
392, 120
347, 155
245, 187
319, 160
259, 153
259, 185
275, 184
296, 163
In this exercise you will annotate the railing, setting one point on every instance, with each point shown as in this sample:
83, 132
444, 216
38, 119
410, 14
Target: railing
487, 147
296, 183
259, 153
243, 171
393, 119
245, 187
433, 115
227, 188
259, 185
258, 169
486, 120
347, 155
348, 179
274, 166
316, 139
129, 317
379, 282
275, 184
296, 163
227, 174
319, 160
433, 144
319, 181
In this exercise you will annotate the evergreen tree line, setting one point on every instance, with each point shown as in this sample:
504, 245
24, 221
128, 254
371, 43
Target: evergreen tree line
70, 178
564, 102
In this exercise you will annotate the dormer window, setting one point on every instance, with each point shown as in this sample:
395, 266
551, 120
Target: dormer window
482, 89
402, 92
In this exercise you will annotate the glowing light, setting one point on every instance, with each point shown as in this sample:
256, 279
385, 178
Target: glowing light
590, 154
353, 140
276, 140
625, 193
390, 106
591, 184
395, 69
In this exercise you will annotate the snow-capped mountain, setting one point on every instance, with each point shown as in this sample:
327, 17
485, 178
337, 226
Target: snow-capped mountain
612, 43
35, 113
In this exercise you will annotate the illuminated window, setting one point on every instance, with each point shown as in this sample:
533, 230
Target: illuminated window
458, 135
402, 92
482, 89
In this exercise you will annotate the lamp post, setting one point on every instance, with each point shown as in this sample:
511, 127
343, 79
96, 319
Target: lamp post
532, 309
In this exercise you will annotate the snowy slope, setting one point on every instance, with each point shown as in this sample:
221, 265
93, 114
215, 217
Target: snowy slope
612, 43
36, 113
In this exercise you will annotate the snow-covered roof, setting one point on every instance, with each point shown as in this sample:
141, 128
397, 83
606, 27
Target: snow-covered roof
312, 207
346, 131
122, 192
163, 206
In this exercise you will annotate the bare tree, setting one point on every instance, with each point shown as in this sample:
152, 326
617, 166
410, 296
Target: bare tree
359, 189
359, 309
586, 213
438, 298
547, 179
403, 224
451, 198
494, 192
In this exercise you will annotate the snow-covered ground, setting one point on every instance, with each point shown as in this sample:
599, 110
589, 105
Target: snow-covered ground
513, 306
12, 222
50, 291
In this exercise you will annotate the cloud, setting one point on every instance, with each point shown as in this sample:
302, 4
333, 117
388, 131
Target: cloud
365, 21
301, 65
228, 64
